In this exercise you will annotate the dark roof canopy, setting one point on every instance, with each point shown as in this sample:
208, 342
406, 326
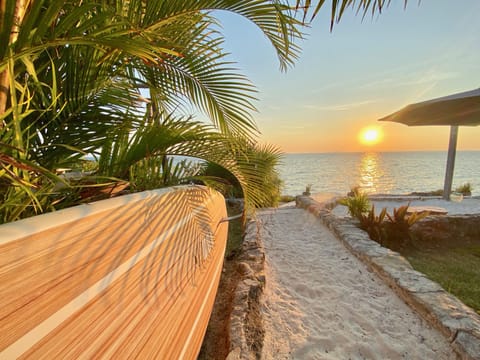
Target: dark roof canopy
459, 109
453, 110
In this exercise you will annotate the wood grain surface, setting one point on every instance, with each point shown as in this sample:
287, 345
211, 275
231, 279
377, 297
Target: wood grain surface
133, 278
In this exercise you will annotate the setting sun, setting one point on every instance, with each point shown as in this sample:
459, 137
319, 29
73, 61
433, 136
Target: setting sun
370, 136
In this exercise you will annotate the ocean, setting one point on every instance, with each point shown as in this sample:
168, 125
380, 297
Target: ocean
376, 172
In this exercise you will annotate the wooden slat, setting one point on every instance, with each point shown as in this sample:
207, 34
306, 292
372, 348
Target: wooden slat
134, 281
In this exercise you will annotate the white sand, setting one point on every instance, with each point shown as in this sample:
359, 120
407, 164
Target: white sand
323, 303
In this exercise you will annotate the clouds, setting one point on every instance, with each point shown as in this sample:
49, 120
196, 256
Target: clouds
347, 106
405, 78
348, 79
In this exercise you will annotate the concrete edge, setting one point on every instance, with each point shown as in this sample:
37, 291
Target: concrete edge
458, 322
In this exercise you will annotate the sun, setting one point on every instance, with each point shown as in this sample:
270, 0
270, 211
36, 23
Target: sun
370, 136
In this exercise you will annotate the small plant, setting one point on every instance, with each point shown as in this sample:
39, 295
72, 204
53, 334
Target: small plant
308, 189
465, 189
373, 224
357, 203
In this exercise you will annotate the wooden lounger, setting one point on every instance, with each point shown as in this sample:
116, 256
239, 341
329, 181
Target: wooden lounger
130, 277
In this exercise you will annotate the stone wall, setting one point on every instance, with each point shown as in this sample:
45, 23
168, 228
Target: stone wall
246, 327
448, 227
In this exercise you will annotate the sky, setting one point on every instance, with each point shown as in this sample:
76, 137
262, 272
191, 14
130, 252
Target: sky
345, 80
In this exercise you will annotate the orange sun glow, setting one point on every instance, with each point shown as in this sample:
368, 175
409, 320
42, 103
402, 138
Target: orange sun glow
370, 136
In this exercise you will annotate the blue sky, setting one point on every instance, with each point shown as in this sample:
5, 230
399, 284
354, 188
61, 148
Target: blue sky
365, 69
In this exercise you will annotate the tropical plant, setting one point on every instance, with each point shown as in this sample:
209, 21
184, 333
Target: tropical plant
222, 180
397, 228
150, 149
403, 220
25, 188
265, 160
373, 224
357, 202
392, 231
154, 172
255, 167
74, 77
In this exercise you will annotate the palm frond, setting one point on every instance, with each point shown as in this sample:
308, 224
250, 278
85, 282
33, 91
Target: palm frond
77, 71
339, 7
274, 18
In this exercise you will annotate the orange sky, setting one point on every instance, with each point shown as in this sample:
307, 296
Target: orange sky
396, 137
364, 70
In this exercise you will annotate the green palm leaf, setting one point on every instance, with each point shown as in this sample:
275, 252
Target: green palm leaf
79, 73
339, 6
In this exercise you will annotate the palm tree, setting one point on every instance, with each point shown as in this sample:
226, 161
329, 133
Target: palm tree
77, 73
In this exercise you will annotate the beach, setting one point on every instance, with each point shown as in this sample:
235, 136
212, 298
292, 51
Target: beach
321, 302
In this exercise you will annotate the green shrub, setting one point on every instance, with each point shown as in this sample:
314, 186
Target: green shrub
308, 189
357, 203
465, 189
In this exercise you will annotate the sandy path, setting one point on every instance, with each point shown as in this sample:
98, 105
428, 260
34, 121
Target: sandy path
323, 303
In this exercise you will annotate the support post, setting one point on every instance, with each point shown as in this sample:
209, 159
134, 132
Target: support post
452, 149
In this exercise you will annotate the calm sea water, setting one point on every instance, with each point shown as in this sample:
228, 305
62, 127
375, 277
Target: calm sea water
377, 173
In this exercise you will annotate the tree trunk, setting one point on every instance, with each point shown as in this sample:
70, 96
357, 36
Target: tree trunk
20, 8
4, 80
3, 75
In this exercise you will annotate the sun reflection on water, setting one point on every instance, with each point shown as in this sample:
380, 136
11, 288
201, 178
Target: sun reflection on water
375, 172
370, 172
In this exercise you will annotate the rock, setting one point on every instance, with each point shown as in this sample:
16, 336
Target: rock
468, 344
244, 269
246, 332
234, 354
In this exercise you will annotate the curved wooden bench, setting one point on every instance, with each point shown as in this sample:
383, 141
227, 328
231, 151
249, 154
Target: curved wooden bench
130, 277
